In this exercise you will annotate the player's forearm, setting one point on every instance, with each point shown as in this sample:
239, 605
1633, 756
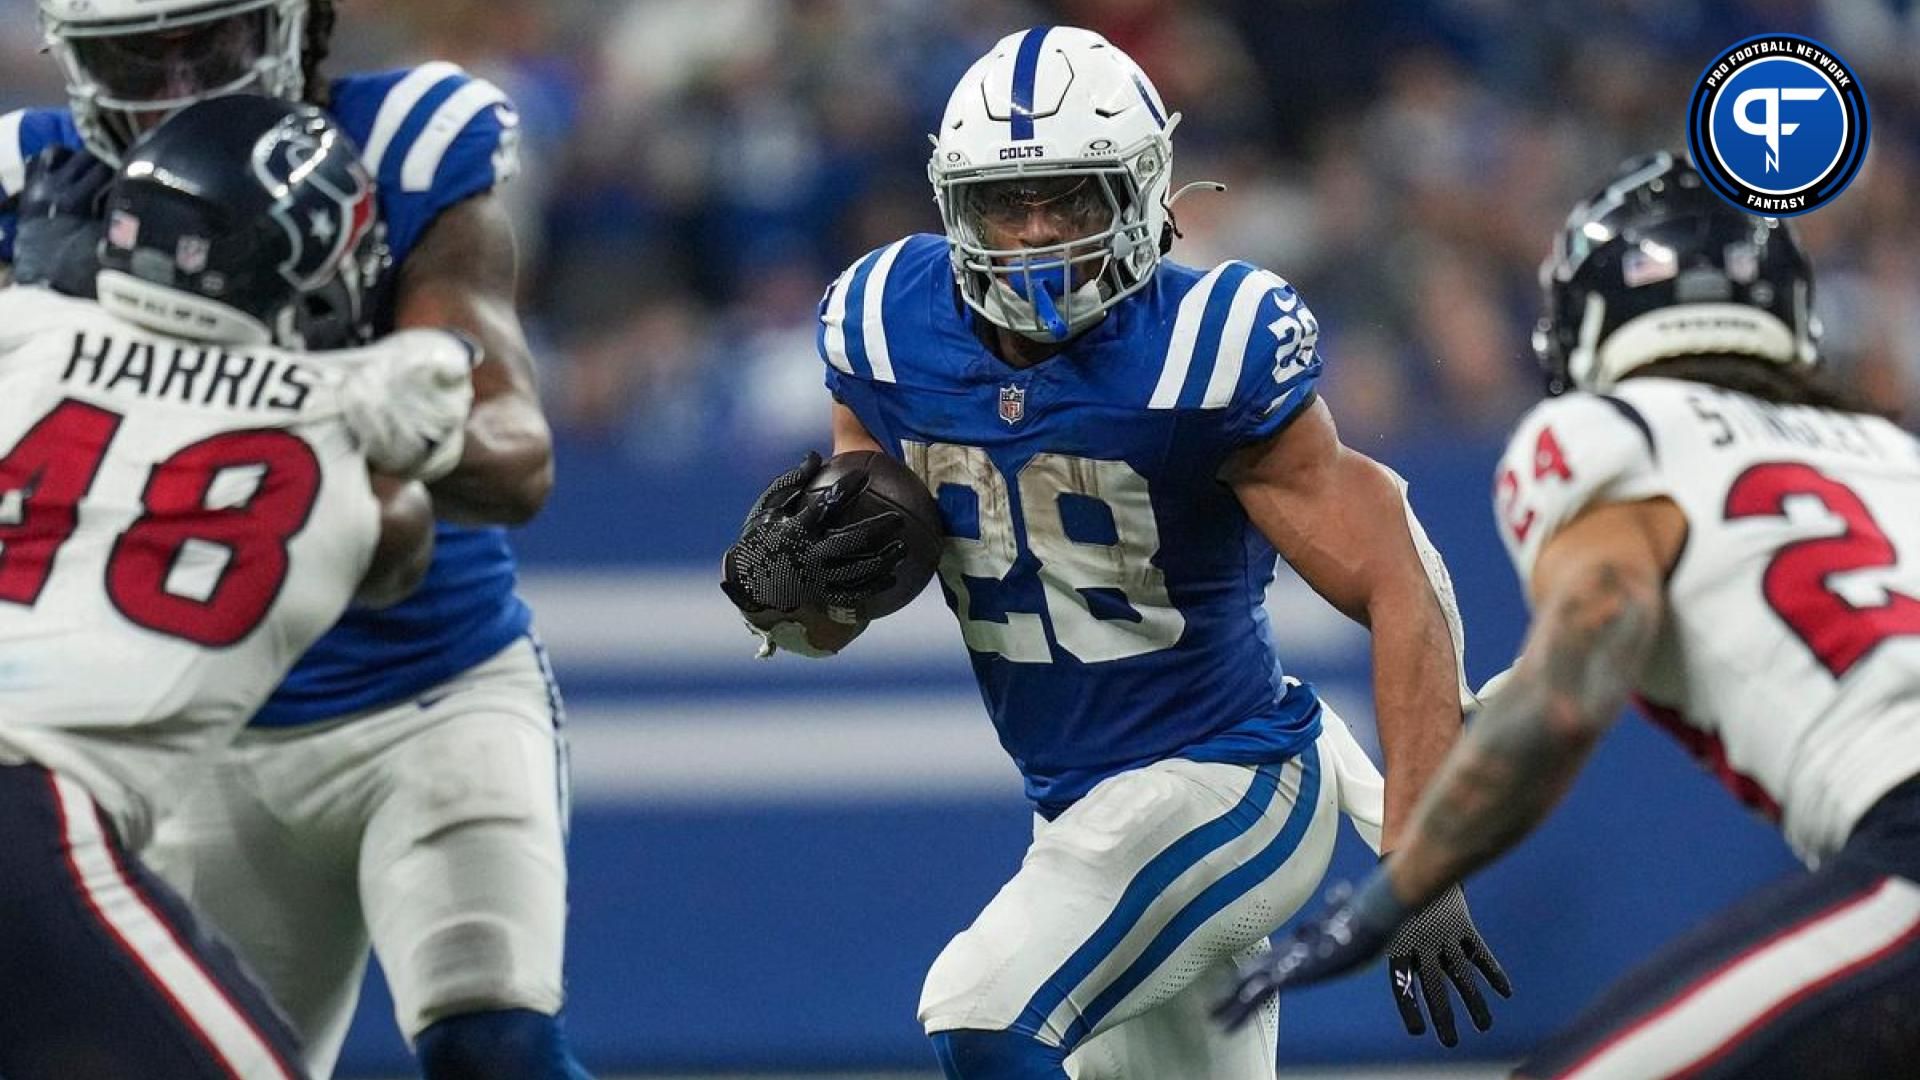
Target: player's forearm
1415, 692
1525, 748
462, 277
506, 470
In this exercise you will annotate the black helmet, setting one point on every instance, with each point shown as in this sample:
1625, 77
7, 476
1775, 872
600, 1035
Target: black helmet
245, 219
1654, 266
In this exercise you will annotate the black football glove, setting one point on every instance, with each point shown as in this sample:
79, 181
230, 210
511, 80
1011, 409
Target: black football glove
59, 211
1421, 947
793, 554
1433, 947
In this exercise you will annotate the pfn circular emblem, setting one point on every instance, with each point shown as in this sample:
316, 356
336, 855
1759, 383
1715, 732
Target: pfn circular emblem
1778, 125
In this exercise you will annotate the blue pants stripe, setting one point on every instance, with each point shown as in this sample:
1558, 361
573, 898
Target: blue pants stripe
1211, 902
1146, 887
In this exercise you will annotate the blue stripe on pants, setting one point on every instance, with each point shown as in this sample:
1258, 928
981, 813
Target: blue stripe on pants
1147, 885
1216, 898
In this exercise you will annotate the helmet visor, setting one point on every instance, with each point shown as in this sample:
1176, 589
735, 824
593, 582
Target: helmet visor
1037, 210
160, 70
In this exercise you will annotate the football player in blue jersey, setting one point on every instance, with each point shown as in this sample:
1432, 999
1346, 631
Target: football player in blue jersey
405, 786
1119, 446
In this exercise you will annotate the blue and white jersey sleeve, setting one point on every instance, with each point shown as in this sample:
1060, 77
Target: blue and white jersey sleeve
24, 133
1242, 350
852, 334
433, 136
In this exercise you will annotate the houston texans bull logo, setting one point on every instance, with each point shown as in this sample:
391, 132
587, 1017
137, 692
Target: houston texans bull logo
335, 209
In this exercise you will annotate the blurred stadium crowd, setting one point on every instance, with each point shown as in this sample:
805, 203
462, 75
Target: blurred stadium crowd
696, 171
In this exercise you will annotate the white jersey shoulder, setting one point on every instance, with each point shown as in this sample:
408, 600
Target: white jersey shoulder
1569, 453
178, 522
1790, 657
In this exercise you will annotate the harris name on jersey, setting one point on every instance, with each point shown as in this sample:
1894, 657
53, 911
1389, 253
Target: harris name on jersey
205, 375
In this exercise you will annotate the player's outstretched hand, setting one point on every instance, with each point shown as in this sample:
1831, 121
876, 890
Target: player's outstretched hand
407, 397
1435, 946
59, 215
1352, 932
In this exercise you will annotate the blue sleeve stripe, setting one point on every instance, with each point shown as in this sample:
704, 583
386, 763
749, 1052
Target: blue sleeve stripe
833, 323
873, 308
448, 121
1237, 337
1208, 344
1180, 343
398, 105
856, 314
13, 158
1026, 69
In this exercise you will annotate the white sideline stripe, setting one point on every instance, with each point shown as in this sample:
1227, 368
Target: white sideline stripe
449, 120
145, 934
1235, 338
669, 621
398, 105
900, 748
13, 164
873, 326
1702, 1022
1186, 330
852, 747
836, 320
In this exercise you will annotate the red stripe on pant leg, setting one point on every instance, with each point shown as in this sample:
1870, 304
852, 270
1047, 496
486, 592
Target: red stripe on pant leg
160, 916
1710, 977
80, 884
1733, 1041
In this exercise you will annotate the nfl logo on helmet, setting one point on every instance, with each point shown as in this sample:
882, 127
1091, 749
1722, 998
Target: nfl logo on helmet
1013, 404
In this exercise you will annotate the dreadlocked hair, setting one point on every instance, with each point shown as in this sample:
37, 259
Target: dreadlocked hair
319, 43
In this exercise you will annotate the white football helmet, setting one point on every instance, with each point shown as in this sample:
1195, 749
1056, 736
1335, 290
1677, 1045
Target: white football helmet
131, 63
1046, 107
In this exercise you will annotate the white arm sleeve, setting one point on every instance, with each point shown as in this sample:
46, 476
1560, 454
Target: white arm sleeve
1442, 583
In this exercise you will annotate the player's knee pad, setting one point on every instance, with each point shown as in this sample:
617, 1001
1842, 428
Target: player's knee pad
997, 1055
505, 1044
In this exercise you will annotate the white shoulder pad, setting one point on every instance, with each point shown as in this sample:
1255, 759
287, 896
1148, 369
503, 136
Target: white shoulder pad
27, 311
1570, 452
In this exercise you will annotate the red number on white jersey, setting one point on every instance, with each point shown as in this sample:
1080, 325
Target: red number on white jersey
50, 470
1548, 461
42, 480
1838, 631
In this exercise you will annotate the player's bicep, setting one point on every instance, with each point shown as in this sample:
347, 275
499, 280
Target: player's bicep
1633, 544
463, 275
1322, 506
850, 434
405, 548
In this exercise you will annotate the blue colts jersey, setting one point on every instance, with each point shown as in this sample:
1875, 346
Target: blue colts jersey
433, 137
1109, 587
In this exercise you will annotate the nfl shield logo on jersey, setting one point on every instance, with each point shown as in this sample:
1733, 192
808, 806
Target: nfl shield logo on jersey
1013, 404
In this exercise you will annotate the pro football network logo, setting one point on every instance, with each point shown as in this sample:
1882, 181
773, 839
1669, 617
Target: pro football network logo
1778, 125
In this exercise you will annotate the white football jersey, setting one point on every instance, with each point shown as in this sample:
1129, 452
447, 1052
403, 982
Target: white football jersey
178, 522
1789, 663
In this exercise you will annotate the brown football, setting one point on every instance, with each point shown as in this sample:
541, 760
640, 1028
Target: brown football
890, 486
